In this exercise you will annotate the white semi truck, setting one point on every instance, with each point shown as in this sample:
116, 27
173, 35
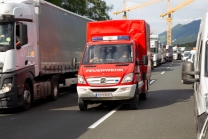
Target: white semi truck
176, 53
155, 47
162, 52
51, 44
169, 53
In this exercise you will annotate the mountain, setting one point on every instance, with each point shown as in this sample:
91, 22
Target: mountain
182, 34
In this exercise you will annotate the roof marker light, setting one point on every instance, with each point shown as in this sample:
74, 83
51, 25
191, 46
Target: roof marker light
97, 38
123, 37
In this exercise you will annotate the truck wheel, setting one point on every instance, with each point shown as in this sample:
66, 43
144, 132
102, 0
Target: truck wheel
82, 104
54, 88
143, 96
27, 97
134, 102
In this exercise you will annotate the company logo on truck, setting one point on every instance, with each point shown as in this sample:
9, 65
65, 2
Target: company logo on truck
104, 70
102, 80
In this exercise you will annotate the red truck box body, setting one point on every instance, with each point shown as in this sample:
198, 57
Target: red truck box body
138, 30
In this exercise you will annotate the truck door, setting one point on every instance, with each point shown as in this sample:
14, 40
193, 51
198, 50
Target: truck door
197, 89
137, 66
24, 52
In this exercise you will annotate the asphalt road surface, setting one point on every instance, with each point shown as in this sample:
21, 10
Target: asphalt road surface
168, 113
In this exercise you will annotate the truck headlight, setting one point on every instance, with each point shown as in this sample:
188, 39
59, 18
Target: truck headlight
81, 80
128, 78
6, 88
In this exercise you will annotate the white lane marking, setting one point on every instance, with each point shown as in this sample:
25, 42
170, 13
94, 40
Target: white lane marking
168, 67
104, 117
163, 72
152, 82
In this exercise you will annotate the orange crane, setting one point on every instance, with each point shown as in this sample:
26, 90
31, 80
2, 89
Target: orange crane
152, 32
169, 18
135, 7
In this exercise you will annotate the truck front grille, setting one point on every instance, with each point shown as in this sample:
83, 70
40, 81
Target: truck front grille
103, 80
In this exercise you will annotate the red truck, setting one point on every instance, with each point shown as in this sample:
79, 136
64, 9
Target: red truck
116, 63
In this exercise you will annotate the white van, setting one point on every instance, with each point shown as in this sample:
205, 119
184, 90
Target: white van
197, 72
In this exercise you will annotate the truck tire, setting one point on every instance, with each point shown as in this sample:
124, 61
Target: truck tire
82, 104
54, 88
134, 102
27, 97
143, 96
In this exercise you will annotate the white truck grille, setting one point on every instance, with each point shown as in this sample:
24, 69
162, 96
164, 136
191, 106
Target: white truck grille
103, 80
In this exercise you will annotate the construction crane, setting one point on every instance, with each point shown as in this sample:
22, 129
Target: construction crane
169, 18
135, 7
152, 32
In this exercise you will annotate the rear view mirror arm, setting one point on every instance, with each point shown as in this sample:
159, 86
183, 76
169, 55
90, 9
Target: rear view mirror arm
192, 72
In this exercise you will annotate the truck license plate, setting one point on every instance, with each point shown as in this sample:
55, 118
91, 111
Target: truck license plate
103, 95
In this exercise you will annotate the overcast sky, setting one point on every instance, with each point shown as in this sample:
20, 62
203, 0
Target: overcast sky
195, 10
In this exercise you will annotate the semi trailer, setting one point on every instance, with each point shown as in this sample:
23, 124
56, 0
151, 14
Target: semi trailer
155, 46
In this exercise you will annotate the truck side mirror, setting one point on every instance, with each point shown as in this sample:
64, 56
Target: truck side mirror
23, 34
145, 60
74, 62
188, 73
137, 62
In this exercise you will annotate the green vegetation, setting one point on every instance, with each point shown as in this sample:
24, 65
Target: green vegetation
94, 9
191, 44
182, 34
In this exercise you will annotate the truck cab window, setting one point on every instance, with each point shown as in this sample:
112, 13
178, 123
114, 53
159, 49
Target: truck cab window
6, 33
17, 35
108, 54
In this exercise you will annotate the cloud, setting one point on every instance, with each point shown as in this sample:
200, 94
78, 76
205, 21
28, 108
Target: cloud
194, 11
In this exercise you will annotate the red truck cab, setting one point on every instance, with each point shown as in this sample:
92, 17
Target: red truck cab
116, 63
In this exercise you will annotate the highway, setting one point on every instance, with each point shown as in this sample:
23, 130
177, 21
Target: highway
168, 113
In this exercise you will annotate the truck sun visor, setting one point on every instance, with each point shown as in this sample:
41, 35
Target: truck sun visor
109, 38
7, 18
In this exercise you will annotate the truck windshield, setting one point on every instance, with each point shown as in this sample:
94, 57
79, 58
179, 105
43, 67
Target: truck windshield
108, 54
6, 35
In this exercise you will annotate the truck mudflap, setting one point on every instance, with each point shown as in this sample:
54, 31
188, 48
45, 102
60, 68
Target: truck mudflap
106, 93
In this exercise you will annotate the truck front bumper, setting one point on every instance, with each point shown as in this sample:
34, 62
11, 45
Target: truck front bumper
92, 93
9, 100
14, 97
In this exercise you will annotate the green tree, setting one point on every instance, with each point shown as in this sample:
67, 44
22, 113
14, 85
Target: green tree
94, 9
